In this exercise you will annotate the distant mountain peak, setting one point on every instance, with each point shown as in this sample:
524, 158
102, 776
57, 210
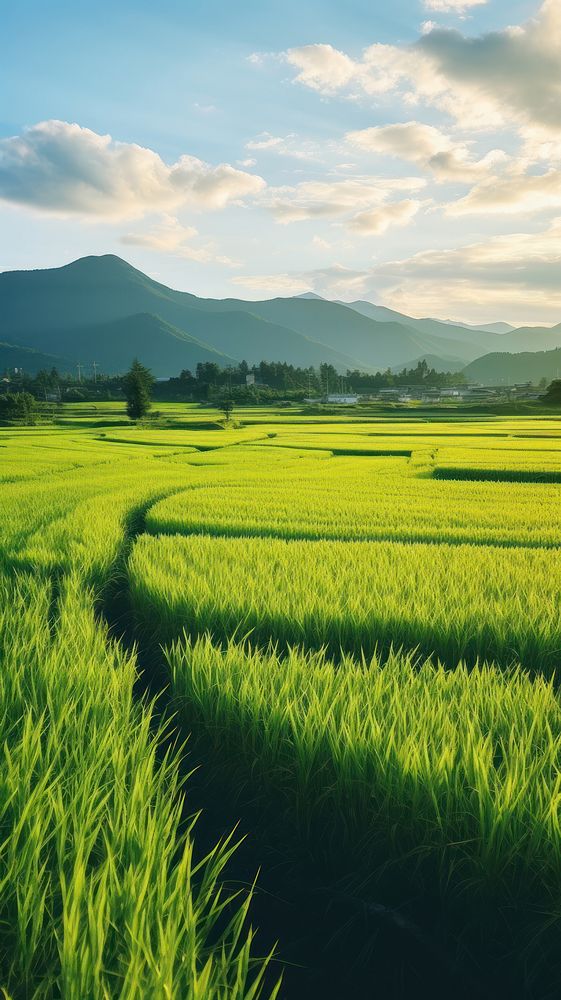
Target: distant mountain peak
101, 264
102, 307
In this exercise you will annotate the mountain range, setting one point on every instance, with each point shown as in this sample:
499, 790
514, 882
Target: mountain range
527, 366
104, 310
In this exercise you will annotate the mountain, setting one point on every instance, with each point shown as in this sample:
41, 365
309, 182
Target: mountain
498, 327
58, 309
15, 356
474, 340
373, 344
532, 338
504, 368
114, 344
102, 309
429, 324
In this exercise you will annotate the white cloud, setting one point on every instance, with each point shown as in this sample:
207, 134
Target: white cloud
282, 145
429, 148
335, 281
515, 276
522, 193
452, 6
170, 236
379, 220
322, 67
494, 80
347, 200
272, 284
60, 167
320, 243
205, 109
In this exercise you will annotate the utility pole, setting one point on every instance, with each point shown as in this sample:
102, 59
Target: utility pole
94, 366
79, 367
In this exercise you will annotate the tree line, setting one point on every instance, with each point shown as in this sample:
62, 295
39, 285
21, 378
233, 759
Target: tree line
207, 376
226, 387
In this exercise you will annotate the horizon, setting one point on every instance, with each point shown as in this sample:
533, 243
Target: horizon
308, 293
408, 157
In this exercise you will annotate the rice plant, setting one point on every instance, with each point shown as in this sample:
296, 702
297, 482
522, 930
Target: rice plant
460, 602
101, 893
366, 646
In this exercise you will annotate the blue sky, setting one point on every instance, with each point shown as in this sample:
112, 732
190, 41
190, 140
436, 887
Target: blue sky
406, 153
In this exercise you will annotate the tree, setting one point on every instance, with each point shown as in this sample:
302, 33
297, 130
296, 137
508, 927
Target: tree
553, 395
137, 386
226, 405
328, 377
208, 371
17, 408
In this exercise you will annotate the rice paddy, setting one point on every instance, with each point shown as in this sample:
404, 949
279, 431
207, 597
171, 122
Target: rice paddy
357, 622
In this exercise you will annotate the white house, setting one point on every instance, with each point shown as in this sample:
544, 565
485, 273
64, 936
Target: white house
342, 399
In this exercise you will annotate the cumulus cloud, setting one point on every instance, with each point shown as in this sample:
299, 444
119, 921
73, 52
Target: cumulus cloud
515, 193
167, 236
378, 221
348, 200
516, 276
60, 167
485, 82
513, 277
323, 67
515, 72
429, 148
171, 236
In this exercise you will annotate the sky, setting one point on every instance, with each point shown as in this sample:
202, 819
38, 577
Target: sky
405, 153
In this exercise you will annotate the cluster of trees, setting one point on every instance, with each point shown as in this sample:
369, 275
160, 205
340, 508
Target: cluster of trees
18, 408
422, 374
553, 395
52, 385
210, 378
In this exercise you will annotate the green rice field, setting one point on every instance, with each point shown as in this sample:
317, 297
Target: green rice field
281, 706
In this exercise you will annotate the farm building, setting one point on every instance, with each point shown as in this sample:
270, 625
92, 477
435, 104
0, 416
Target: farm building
344, 399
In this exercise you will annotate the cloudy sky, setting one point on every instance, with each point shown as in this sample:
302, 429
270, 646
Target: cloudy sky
408, 153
